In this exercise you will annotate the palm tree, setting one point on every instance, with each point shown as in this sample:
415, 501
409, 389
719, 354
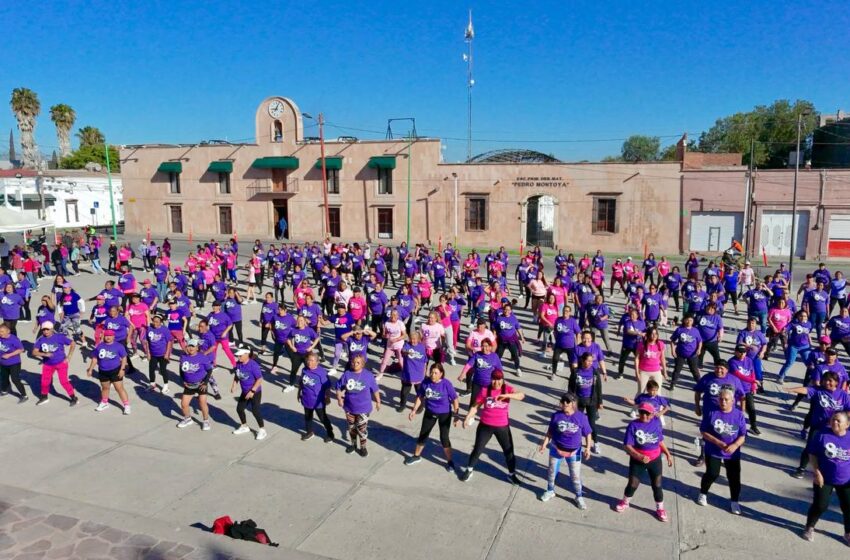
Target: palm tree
26, 107
63, 116
90, 136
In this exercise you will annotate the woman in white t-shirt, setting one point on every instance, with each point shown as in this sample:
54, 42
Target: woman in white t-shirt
394, 331
747, 277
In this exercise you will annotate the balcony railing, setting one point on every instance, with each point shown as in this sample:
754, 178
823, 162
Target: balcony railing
267, 186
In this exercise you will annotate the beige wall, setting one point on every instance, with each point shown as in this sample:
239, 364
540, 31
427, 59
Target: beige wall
647, 195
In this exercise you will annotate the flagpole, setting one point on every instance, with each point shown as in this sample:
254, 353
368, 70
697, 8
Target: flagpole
111, 198
469, 35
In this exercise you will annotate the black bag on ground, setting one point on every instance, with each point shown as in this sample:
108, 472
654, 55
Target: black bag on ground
248, 531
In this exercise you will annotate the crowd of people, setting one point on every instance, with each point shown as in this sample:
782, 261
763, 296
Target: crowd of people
418, 311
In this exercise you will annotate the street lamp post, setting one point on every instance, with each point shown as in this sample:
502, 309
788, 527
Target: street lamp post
456, 201
794, 199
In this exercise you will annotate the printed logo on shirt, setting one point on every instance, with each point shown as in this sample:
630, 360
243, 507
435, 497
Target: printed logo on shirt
354, 386
565, 426
686, 338
828, 403
722, 428
505, 326
106, 354
309, 380
433, 394
154, 336
6, 301
492, 402
800, 329
188, 367
646, 438
4, 348
414, 354
835, 453
714, 389
301, 339
242, 375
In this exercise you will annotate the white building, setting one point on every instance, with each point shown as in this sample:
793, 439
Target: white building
73, 198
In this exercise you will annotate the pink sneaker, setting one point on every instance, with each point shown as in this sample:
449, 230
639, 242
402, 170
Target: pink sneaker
661, 514
621, 506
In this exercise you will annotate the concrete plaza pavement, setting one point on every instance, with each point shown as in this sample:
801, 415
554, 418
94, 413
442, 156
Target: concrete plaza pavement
154, 485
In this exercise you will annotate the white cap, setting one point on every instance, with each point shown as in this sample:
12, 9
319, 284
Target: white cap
193, 342
241, 352
47, 325
748, 262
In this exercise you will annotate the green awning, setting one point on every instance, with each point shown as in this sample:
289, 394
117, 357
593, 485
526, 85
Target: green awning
170, 167
331, 162
221, 167
287, 162
382, 162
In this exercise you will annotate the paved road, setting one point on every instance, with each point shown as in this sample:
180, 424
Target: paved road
139, 475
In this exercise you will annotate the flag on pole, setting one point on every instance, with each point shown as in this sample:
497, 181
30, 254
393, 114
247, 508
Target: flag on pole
521, 246
470, 32
763, 255
149, 234
645, 250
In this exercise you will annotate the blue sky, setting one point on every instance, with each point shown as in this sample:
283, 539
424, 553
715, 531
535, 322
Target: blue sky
584, 74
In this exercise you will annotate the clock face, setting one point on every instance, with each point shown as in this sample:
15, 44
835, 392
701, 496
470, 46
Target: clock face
275, 108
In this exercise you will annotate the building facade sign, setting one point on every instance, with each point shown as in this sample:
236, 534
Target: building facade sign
540, 182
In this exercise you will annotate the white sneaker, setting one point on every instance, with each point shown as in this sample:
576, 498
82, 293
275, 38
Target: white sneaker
186, 422
582, 505
702, 500
101, 406
205, 426
332, 372
697, 444
596, 449
452, 361
127, 410
243, 429
289, 388
165, 389
261, 434
633, 413
546, 496
519, 372
735, 508
663, 422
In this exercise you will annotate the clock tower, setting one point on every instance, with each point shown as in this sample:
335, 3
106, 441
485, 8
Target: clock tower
278, 121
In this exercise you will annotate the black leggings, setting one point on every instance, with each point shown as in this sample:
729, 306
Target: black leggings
13, 325
820, 503
503, 436
157, 363
712, 471
712, 347
588, 406
237, 328
296, 360
750, 403
556, 357
279, 349
405, 392
323, 418
692, 365
624, 354
512, 347
264, 334
444, 420
255, 408
655, 468
11, 374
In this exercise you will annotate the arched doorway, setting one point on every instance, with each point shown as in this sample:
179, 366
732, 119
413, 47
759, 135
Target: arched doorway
540, 213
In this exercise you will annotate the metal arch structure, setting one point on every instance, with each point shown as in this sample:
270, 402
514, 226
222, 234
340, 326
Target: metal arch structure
513, 156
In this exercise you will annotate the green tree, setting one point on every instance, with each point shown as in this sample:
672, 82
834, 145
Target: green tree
772, 127
640, 148
63, 116
26, 106
90, 136
91, 154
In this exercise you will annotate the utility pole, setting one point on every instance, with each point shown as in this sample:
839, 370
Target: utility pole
111, 197
749, 201
409, 145
324, 176
794, 203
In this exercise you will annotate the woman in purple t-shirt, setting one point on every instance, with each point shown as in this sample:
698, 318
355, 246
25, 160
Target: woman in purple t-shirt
724, 431
569, 430
644, 443
249, 377
314, 395
355, 392
438, 397
830, 459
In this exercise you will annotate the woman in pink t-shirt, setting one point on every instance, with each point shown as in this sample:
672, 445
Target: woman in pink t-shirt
537, 287
547, 314
618, 276
560, 292
444, 312
650, 362
394, 331
433, 337
494, 402
473, 340
777, 319
357, 306
138, 314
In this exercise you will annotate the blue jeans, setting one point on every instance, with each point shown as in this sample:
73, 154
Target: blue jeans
574, 464
791, 354
762, 318
758, 368
818, 319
